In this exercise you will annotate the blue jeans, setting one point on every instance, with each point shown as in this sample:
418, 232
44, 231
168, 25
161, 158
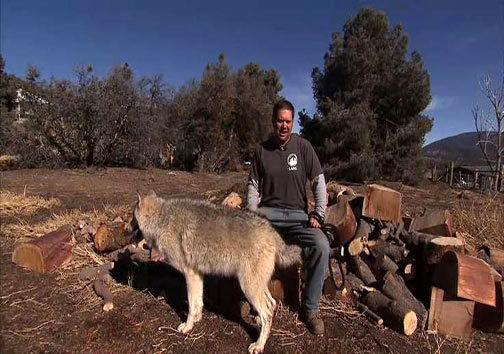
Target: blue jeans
293, 226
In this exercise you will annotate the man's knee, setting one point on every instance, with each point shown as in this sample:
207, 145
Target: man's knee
321, 244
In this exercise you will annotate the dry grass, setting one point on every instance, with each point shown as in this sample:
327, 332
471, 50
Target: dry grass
482, 219
12, 204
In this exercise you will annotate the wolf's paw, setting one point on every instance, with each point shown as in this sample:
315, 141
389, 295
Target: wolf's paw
255, 348
185, 328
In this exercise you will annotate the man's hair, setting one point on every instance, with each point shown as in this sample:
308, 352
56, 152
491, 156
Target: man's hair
282, 104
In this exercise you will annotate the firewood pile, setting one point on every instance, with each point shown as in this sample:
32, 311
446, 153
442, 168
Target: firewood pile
412, 273
404, 273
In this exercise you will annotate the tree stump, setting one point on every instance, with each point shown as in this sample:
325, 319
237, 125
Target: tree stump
45, 253
436, 248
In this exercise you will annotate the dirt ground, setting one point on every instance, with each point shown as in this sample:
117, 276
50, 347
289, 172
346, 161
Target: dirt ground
57, 312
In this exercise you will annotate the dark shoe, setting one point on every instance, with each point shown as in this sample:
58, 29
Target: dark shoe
312, 321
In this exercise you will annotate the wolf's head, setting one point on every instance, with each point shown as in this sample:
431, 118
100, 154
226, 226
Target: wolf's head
140, 214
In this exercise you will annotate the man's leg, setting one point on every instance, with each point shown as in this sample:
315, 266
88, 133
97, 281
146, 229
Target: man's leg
315, 260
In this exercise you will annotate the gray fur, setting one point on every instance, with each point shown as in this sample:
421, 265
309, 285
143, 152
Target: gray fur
197, 237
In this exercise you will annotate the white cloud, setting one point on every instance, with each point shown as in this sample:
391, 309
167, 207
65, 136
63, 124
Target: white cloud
440, 102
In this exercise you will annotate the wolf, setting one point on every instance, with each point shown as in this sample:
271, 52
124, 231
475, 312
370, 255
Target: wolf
197, 237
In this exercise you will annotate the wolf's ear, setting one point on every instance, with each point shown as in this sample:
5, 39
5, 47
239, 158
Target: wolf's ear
139, 197
152, 193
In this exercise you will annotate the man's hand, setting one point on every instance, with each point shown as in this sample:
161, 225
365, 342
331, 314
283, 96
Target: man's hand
314, 223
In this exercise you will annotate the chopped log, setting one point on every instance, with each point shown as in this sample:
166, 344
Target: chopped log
417, 239
436, 248
285, 286
496, 255
489, 318
373, 317
385, 263
45, 253
332, 284
450, 315
233, 200
363, 229
354, 283
395, 288
342, 217
435, 223
395, 314
361, 269
397, 253
382, 203
93, 272
466, 277
103, 291
111, 236
355, 246
407, 223
409, 271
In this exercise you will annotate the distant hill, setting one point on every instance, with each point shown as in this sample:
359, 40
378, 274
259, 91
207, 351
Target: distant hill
461, 149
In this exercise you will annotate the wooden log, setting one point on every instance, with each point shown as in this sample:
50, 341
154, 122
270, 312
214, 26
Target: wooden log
385, 263
450, 315
395, 288
466, 277
104, 292
382, 203
417, 239
436, 248
397, 253
373, 317
233, 200
285, 286
111, 236
496, 255
435, 223
489, 318
409, 271
356, 246
395, 314
45, 253
342, 217
361, 269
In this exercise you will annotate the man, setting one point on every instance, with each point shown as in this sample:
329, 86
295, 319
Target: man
276, 190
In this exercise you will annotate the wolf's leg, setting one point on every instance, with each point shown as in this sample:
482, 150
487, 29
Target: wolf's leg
254, 284
194, 282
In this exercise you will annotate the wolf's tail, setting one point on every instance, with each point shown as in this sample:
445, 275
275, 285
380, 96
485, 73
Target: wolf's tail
287, 255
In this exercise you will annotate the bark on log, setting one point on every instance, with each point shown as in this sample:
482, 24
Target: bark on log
395, 288
342, 217
397, 253
111, 236
382, 203
436, 248
395, 314
466, 277
417, 239
104, 292
385, 263
45, 253
361, 269
489, 318
373, 317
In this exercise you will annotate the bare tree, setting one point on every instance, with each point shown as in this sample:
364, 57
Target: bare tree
489, 124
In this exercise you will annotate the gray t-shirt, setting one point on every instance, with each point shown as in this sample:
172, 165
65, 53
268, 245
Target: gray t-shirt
281, 172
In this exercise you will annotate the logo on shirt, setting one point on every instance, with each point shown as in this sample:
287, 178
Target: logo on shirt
292, 162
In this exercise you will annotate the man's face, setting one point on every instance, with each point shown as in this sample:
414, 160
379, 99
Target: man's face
282, 125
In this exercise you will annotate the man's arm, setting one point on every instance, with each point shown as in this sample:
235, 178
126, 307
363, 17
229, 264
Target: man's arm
318, 187
253, 197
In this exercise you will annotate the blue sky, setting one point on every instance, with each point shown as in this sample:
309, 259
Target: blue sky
460, 41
